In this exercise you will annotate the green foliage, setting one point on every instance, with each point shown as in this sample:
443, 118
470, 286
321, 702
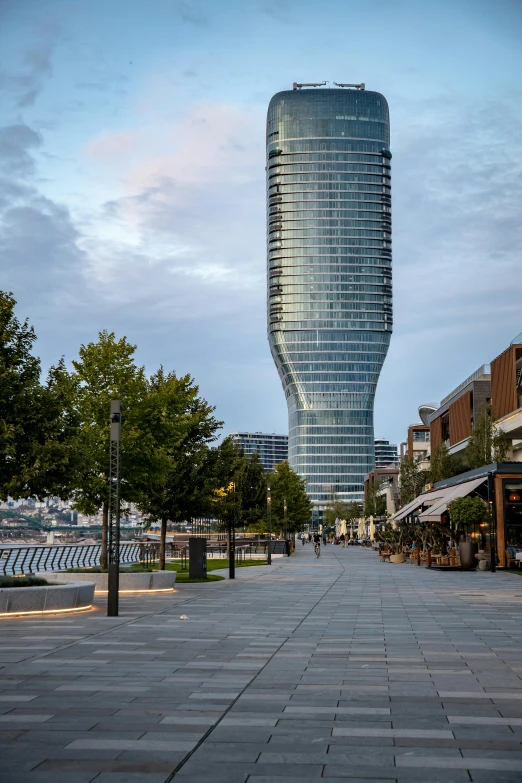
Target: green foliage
22, 581
105, 371
237, 485
286, 483
487, 443
412, 479
442, 464
181, 425
37, 452
468, 511
354, 510
398, 536
335, 509
374, 504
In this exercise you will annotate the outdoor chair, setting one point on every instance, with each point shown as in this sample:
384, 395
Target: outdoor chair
511, 561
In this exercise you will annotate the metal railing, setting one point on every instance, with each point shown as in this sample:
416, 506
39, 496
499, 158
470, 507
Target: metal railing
31, 559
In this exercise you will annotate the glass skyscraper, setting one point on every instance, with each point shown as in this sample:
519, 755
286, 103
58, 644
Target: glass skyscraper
329, 276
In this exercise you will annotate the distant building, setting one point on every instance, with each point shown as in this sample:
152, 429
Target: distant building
387, 480
453, 420
385, 453
329, 295
272, 449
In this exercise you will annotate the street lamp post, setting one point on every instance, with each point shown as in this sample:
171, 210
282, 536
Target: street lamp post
114, 510
492, 523
269, 521
285, 508
232, 538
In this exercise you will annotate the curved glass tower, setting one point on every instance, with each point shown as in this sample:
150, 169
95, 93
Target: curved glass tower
329, 276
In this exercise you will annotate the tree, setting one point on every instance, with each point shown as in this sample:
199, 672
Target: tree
335, 509
354, 510
374, 504
37, 432
285, 482
182, 426
412, 479
442, 465
467, 512
487, 443
251, 483
224, 464
239, 486
105, 371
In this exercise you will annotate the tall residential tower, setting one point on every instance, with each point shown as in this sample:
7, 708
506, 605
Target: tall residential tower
329, 275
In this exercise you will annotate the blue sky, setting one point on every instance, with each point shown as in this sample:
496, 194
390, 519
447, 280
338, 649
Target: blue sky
132, 180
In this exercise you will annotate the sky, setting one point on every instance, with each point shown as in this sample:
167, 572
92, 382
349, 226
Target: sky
132, 193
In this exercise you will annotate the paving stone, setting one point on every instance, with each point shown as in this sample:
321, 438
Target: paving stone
343, 668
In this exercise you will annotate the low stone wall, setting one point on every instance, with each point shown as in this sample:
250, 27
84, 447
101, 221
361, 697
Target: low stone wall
150, 580
47, 598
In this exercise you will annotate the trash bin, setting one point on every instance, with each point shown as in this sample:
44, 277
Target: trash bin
197, 558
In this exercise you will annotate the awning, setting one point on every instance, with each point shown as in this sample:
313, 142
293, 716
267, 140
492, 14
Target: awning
435, 511
421, 500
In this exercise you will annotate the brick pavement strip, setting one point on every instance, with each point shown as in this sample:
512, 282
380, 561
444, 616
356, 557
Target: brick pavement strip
343, 668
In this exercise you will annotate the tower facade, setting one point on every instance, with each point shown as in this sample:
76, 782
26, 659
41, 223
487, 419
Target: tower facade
329, 276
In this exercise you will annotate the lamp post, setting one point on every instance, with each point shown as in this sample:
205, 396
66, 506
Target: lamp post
114, 510
269, 521
285, 508
232, 537
492, 523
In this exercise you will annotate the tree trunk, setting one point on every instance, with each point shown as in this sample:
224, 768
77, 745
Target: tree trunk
105, 534
163, 536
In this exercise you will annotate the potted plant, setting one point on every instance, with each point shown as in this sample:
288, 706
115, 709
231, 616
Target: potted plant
392, 537
465, 513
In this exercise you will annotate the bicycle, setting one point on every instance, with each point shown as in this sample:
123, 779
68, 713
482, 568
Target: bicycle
318, 550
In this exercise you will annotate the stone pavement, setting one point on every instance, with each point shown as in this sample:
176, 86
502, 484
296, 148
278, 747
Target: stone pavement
342, 668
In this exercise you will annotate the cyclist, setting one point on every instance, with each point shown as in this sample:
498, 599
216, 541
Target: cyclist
317, 543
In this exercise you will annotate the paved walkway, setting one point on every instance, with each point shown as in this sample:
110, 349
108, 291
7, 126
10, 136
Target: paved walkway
342, 668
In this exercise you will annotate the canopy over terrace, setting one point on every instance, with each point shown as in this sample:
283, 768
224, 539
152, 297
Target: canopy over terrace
430, 506
436, 510
413, 506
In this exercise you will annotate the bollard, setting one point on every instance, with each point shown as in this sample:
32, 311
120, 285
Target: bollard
418, 557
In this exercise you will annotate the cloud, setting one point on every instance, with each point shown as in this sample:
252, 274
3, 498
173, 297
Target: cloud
191, 14
16, 141
281, 10
176, 262
195, 211
457, 189
456, 218
28, 80
110, 147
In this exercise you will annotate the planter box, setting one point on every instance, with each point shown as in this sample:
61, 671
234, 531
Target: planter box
398, 558
150, 580
468, 550
47, 598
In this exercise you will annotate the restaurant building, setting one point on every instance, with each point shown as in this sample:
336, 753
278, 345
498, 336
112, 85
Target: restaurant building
499, 483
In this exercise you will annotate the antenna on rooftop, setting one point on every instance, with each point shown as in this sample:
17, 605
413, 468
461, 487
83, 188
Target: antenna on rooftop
297, 86
360, 86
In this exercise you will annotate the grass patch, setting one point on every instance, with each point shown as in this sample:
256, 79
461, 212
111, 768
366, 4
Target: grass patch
182, 576
22, 581
212, 565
